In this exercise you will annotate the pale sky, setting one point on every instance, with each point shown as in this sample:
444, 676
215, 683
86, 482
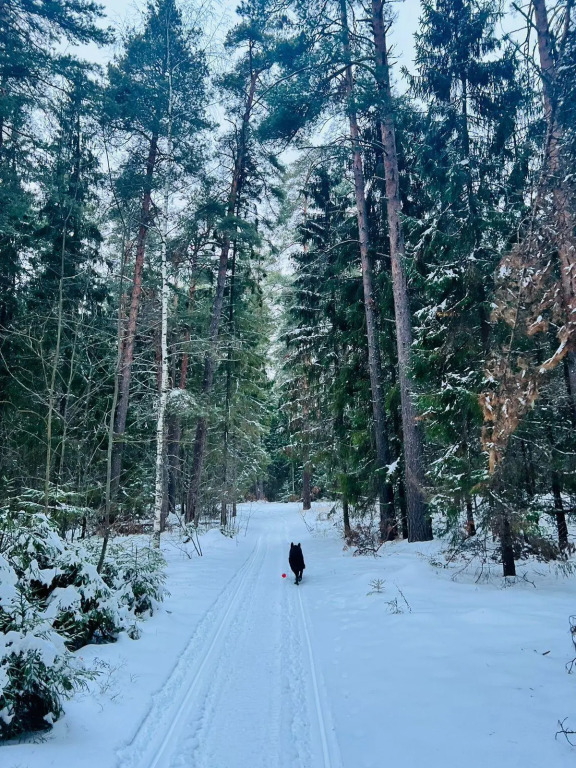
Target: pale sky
221, 16
119, 12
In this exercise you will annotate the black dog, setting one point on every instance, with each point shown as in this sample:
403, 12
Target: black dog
296, 560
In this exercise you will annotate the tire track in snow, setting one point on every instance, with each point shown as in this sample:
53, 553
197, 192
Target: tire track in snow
148, 748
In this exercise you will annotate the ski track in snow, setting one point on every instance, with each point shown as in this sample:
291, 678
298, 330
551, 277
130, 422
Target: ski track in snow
246, 690
330, 750
306, 675
254, 672
149, 747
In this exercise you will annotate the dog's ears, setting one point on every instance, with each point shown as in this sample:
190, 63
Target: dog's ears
298, 543
291, 543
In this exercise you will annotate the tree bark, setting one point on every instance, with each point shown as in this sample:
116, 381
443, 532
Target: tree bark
306, 495
419, 523
228, 401
161, 413
507, 550
470, 522
346, 516
500, 516
565, 217
127, 343
570, 380
388, 522
560, 515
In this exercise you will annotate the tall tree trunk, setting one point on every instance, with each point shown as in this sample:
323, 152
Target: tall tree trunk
127, 343
419, 523
346, 515
555, 176
210, 358
174, 439
403, 507
500, 515
507, 550
108, 500
388, 523
560, 515
470, 522
228, 400
565, 230
306, 490
570, 377
52, 391
161, 413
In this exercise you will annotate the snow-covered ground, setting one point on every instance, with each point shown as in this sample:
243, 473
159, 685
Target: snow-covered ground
242, 669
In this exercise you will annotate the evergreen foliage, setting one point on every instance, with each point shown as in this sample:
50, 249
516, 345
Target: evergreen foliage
304, 343
53, 601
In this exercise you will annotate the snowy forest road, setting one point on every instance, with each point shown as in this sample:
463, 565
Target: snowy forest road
246, 690
371, 661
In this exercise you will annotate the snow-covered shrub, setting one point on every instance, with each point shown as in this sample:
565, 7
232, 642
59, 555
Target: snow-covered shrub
65, 507
83, 607
54, 601
137, 574
60, 580
37, 671
27, 538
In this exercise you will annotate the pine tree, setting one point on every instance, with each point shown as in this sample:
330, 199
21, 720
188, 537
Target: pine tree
253, 38
156, 88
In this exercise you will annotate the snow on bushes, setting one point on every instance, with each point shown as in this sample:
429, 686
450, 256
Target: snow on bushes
37, 671
137, 575
54, 601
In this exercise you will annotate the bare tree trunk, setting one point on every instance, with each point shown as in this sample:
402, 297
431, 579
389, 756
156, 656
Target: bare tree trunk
565, 230
346, 516
191, 295
570, 379
127, 343
174, 440
388, 523
419, 523
161, 414
52, 391
470, 522
227, 405
507, 550
306, 496
555, 173
210, 359
502, 527
559, 514
173, 461
108, 500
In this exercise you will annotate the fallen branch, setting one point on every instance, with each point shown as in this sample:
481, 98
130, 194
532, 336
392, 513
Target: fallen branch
566, 732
